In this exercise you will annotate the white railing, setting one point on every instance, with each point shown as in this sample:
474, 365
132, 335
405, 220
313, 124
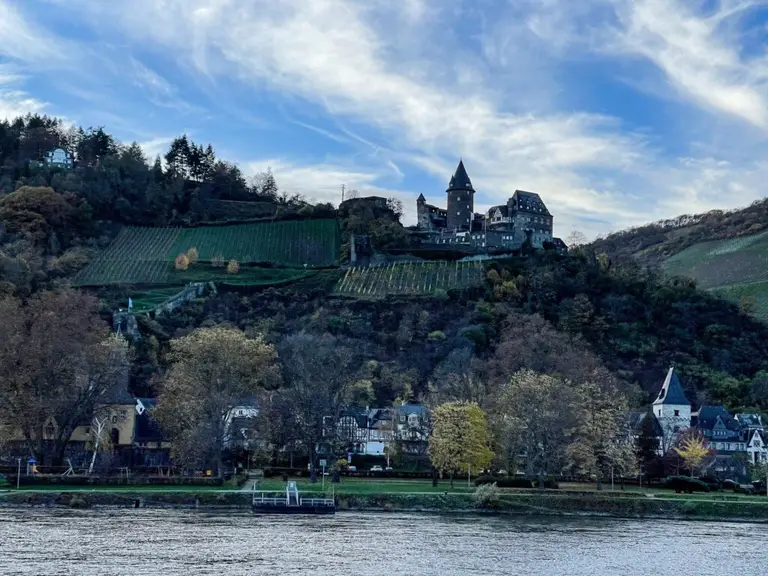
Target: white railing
270, 499
317, 502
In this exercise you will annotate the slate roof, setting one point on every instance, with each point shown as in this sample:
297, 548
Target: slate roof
460, 180
502, 208
558, 243
529, 202
709, 415
636, 420
671, 391
412, 408
421, 198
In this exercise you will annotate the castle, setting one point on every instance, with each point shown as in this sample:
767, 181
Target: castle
507, 226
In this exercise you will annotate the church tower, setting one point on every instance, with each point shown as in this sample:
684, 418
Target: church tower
672, 409
461, 202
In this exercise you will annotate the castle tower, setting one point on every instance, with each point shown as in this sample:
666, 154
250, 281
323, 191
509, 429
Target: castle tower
422, 218
672, 409
461, 202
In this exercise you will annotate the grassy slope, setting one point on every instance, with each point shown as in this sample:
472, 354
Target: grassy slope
732, 268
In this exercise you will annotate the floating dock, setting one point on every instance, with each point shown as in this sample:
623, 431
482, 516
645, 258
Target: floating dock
290, 503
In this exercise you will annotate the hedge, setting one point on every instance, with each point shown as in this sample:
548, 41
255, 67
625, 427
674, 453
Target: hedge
686, 484
117, 481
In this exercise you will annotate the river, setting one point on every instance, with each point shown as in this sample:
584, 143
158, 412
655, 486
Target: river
181, 542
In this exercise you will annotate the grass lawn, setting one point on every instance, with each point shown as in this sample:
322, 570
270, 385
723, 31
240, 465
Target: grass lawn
352, 485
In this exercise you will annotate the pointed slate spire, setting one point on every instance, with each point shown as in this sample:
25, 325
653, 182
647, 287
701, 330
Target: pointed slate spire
671, 391
421, 198
460, 180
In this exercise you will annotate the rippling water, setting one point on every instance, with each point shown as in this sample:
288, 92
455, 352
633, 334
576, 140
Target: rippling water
178, 542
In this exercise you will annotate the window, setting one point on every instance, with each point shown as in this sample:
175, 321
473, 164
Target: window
677, 412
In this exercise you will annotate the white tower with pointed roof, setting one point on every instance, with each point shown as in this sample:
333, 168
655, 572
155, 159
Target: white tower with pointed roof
672, 409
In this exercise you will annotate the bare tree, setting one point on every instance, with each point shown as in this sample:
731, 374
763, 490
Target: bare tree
457, 378
576, 239
57, 360
318, 373
100, 435
534, 416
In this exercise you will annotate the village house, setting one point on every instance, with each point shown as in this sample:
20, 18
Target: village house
736, 439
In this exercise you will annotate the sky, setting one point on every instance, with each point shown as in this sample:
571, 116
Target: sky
617, 112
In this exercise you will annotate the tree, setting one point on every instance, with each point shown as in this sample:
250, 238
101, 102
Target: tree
319, 375
693, 450
534, 416
57, 359
759, 473
601, 441
460, 439
212, 371
457, 377
647, 446
100, 435
576, 239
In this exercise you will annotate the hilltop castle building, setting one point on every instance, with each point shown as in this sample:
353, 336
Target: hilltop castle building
523, 217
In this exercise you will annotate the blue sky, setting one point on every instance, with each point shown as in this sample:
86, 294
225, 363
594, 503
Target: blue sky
617, 112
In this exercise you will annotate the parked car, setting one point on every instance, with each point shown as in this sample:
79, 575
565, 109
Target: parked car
351, 468
377, 468
389, 469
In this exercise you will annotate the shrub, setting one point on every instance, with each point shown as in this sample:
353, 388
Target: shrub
487, 496
233, 267
440, 294
70, 262
192, 255
549, 483
436, 336
181, 262
684, 484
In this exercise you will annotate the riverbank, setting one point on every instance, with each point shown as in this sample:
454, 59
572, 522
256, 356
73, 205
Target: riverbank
548, 502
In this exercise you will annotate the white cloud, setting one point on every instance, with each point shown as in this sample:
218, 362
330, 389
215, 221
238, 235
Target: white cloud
154, 146
23, 41
151, 80
431, 98
699, 55
322, 182
15, 102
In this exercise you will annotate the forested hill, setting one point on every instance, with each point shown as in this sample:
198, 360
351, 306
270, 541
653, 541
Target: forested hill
652, 243
571, 315
723, 252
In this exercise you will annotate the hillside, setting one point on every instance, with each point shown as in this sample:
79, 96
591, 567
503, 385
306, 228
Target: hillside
115, 224
724, 252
